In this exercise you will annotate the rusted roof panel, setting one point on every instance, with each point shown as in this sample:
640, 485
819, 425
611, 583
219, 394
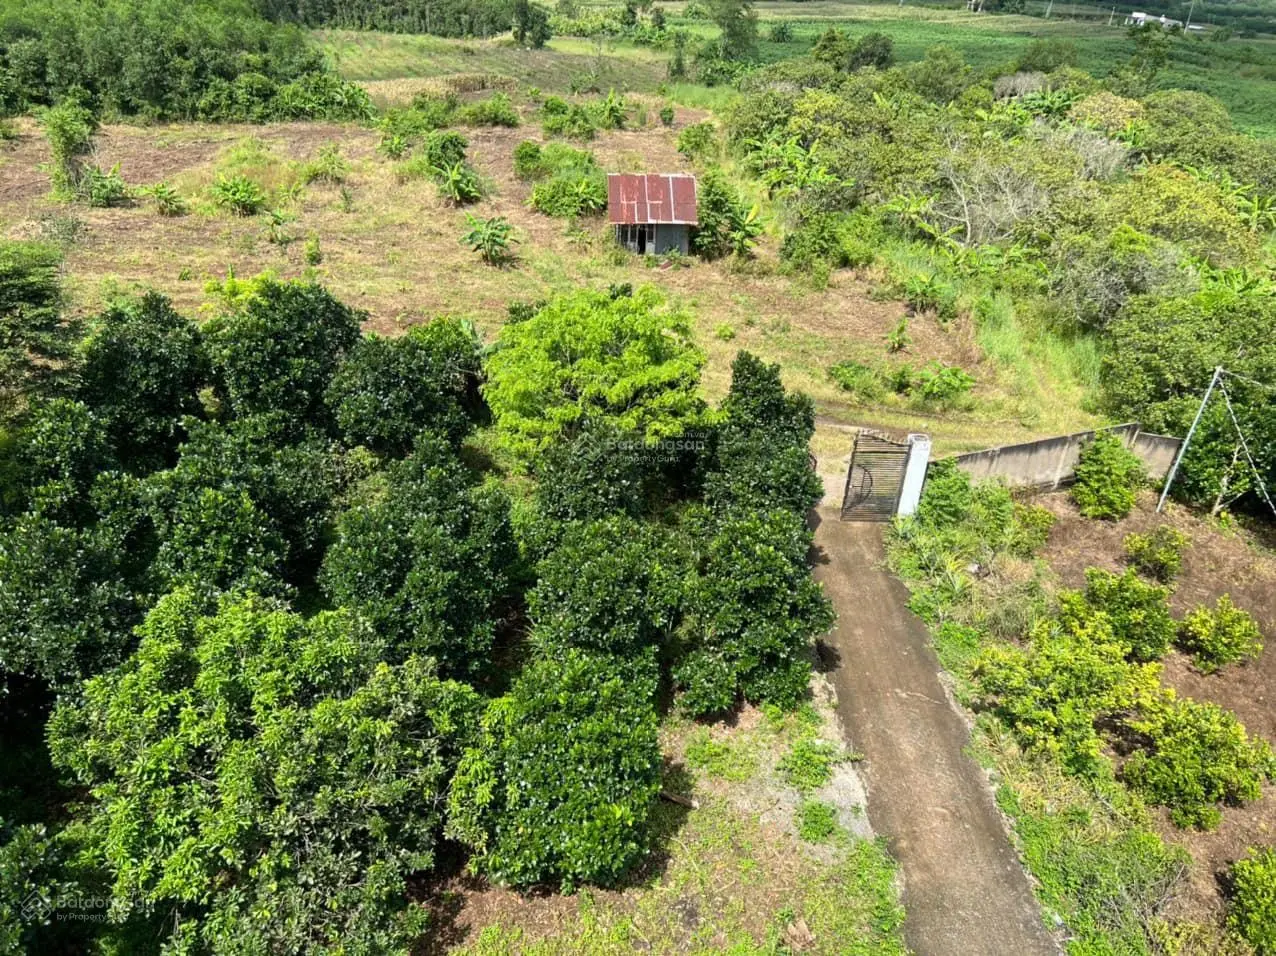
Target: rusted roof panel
657, 198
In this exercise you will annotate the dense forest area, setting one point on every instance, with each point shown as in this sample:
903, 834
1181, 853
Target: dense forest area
447, 18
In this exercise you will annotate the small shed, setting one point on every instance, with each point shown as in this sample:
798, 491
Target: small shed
652, 212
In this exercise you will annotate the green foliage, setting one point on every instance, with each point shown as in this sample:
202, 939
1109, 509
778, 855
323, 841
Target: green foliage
726, 225
1138, 612
762, 451
560, 784
1222, 636
496, 110
387, 390
426, 557
295, 769
1051, 693
35, 337
103, 187
738, 22
809, 764
239, 194
1251, 911
666, 116
1199, 756
751, 611
720, 759
560, 118
699, 141
327, 167
898, 339
166, 200
611, 585
816, 821
1107, 476
490, 238
277, 351
458, 183
626, 361
527, 160
69, 128
141, 368
940, 384
572, 184
1158, 554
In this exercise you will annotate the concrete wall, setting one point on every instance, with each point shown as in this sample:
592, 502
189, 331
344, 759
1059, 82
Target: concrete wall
1051, 462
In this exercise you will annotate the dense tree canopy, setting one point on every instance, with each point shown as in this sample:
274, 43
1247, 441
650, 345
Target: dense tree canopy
263, 780
626, 360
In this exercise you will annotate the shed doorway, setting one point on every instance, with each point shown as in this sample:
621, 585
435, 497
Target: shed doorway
637, 237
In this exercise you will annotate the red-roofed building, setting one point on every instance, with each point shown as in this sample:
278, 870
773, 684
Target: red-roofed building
652, 212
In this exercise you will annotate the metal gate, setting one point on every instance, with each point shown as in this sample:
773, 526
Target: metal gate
875, 478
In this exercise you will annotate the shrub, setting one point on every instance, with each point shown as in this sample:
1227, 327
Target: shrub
816, 821
751, 610
571, 192
527, 160
444, 148
387, 390
862, 381
612, 585
313, 252
102, 187
458, 183
726, 224
490, 238
809, 764
166, 200
496, 110
1198, 756
1159, 555
239, 194
1138, 612
327, 167
262, 719
1107, 476
666, 115
559, 118
940, 384
560, 785
1222, 636
699, 141
1251, 911
69, 128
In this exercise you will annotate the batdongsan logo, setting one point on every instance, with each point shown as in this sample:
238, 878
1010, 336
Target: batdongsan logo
38, 908
660, 450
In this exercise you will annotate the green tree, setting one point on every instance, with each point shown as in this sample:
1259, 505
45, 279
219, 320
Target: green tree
278, 351
141, 369
387, 390
751, 611
261, 781
612, 585
763, 455
531, 24
242, 503
36, 338
738, 22
1108, 475
427, 557
622, 360
69, 128
560, 784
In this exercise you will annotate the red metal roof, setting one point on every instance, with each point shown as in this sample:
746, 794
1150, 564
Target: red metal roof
651, 198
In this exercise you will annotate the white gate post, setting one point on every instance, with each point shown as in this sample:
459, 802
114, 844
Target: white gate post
914, 473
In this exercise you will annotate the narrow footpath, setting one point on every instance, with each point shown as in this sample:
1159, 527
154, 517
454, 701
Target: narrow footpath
965, 893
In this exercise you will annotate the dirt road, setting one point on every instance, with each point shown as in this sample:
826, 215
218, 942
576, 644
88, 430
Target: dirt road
964, 889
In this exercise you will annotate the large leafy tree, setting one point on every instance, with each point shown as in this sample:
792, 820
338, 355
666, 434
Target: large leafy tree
559, 786
262, 782
388, 390
624, 360
277, 350
751, 612
427, 557
142, 367
36, 339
